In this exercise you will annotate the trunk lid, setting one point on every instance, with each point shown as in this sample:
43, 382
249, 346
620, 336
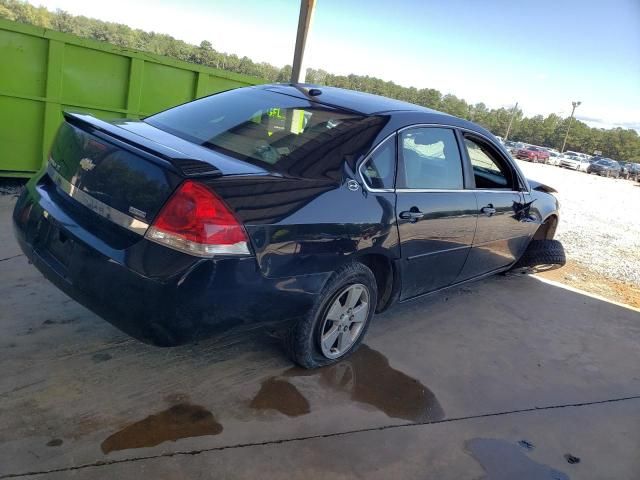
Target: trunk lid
129, 168
105, 173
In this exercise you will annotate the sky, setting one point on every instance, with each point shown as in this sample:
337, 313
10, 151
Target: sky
543, 54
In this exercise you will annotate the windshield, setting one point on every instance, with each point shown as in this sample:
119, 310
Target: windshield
268, 128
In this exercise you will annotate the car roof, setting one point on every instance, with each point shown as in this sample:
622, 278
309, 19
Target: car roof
364, 103
368, 104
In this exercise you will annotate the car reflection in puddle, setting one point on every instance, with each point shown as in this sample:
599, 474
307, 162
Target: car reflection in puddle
179, 421
367, 377
280, 395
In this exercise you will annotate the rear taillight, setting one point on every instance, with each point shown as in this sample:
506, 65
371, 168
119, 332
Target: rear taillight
195, 221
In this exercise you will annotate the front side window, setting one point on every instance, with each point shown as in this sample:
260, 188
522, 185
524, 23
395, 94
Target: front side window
489, 170
430, 159
379, 170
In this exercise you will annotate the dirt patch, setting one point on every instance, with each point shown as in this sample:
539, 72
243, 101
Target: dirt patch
578, 276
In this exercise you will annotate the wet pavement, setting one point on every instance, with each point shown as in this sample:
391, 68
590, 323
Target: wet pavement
507, 378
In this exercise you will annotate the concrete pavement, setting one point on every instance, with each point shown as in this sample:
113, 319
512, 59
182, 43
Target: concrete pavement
510, 377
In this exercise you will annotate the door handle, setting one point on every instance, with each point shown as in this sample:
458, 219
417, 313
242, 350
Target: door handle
411, 215
488, 210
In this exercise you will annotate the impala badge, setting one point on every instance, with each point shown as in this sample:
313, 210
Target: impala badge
137, 212
87, 164
352, 185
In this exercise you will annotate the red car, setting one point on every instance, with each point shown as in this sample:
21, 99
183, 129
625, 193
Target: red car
532, 154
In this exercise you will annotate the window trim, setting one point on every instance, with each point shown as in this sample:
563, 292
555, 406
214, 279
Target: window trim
524, 184
514, 172
370, 155
401, 167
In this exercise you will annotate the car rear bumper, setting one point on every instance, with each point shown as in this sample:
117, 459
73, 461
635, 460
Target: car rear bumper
155, 294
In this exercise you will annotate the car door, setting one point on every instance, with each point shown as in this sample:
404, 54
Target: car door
436, 215
503, 227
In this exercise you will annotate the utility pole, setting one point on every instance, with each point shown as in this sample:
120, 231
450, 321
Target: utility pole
304, 22
573, 110
513, 114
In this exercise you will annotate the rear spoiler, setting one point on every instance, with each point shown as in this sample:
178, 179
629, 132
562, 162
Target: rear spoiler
182, 163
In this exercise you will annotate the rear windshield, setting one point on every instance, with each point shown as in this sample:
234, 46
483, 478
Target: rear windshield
268, 128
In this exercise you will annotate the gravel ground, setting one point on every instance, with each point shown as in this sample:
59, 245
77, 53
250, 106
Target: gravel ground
599, 220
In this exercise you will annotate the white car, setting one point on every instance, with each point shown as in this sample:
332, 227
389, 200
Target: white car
583, 156
584, 165
554, 158
574, 162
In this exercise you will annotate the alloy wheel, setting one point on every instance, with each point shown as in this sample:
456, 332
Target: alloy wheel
344, 320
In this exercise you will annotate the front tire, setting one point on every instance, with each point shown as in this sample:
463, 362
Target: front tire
339, 320
541, 256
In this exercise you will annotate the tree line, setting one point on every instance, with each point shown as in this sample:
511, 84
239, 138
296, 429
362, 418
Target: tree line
549, 131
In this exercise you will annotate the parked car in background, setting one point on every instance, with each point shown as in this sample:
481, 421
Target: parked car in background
584, 165
605, 167
554, 158
628, 169
228, 212
624, 171
634, 171
512, 147
584, 156
573, 162
532, 154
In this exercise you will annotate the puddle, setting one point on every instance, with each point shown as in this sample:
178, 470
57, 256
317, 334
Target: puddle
180, 421
367, 377
282, 396
503, 460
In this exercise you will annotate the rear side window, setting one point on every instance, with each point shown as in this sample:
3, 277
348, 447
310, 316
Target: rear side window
430, 159
379, 170
490, 171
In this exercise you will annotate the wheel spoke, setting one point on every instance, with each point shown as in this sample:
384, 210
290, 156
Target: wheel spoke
360, 313
329, 338
335, 311
353, 296
344, 340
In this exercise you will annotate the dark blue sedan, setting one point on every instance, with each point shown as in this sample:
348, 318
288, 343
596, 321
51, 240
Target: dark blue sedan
297, 207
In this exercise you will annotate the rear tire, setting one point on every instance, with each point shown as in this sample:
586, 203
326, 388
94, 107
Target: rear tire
304, 341
541, 256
